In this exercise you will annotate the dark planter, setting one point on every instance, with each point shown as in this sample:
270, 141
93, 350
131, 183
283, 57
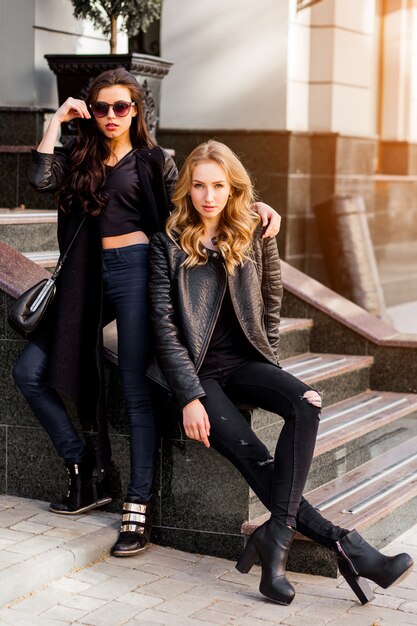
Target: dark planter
75, 73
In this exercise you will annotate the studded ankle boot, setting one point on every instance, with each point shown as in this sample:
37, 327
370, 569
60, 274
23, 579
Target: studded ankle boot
135, 529
84, 491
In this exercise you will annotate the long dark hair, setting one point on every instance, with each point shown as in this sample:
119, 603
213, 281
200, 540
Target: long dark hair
81, 189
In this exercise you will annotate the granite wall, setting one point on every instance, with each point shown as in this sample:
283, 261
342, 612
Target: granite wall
20, 130
199, 501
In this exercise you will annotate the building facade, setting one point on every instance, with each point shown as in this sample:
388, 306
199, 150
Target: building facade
318, 97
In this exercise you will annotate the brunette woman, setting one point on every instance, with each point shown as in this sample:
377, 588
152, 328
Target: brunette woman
121, 181
216, 293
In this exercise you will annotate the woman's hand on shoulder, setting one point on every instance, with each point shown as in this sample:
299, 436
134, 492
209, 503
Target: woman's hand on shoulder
270, 219
71, 109
196, 422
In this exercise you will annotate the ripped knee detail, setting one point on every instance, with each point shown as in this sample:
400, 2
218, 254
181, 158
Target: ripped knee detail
313, 397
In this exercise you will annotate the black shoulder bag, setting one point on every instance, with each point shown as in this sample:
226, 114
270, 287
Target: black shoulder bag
28, 310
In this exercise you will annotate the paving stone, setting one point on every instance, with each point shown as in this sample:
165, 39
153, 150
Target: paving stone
185, 556
184, 604
409, 607
99, 520
229, 608
36, 545
89, 576
64, 613
110, 614
165, 588
41, 601
268, 610
66, 533
61, 521
300, 620
135, 575
30, 527
139, 600
12, 516
376, 612
69, 584
252, 621
14, 618
10, 558
149, 617
110, 589
83, 602
12, 536
330, 607
211, 617
356, 620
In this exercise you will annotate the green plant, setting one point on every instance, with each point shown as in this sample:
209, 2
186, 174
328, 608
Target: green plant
136, 15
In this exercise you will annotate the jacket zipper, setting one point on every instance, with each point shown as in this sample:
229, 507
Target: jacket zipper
213, 324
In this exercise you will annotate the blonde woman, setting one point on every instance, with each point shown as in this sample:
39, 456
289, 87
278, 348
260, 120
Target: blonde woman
216, 292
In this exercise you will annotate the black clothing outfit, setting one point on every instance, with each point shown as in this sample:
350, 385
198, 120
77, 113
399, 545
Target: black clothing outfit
123, 212
185, 307
71, 334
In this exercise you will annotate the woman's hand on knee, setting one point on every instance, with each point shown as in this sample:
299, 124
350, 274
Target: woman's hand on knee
196, 422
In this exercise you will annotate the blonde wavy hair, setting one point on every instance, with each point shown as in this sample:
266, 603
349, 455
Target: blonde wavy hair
237, 220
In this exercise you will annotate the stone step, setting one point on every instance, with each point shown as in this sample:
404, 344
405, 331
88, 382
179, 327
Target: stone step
378, 498
294, 336
28, 229
46, 258
351, 432
336, 376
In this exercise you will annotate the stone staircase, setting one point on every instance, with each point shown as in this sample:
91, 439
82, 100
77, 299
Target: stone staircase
364, 472
32, 233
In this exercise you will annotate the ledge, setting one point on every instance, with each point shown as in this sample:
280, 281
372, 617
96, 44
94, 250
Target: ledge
344, 311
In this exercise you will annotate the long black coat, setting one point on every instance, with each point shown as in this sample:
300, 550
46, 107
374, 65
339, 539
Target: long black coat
71, 333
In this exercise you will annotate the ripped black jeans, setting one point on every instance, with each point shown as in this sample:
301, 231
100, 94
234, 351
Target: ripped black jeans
278, 482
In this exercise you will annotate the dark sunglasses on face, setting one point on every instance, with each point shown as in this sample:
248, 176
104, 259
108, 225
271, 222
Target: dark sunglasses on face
121, 109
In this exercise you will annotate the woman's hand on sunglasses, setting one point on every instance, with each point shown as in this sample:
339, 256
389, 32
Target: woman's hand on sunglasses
71, 109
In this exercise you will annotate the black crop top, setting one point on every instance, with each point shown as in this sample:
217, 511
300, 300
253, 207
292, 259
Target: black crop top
123, 212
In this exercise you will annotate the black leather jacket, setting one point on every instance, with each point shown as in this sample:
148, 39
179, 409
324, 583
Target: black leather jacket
185, 305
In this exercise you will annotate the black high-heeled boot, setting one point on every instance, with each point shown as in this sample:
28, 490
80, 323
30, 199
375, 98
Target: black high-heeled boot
271, 542
358, 560
84, 491
135, 530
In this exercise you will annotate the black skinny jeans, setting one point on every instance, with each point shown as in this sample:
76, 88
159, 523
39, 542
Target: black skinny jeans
278, 482
125, 293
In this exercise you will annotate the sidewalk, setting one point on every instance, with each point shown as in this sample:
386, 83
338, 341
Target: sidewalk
165, 586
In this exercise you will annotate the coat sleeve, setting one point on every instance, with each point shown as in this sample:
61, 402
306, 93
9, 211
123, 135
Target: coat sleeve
272, 290
170, 174
171, 354
47, 171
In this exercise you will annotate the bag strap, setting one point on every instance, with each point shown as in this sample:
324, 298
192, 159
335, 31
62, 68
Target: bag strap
62, 258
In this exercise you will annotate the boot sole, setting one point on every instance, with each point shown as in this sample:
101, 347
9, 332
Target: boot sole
401, 578
84, 509
129, 552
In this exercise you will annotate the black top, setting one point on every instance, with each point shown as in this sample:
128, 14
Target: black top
228, 347
123, 212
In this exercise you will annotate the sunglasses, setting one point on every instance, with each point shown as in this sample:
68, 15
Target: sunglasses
121, 109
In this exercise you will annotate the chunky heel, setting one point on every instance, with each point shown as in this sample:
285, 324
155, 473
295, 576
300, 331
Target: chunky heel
247, 558
359, 585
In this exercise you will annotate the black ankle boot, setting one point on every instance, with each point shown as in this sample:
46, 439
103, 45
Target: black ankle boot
84, 492
358, 560
135, 530
271, 542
